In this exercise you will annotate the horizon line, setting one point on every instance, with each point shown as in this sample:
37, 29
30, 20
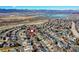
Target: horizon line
41, 7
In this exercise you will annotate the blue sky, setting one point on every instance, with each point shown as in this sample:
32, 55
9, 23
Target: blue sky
42, 7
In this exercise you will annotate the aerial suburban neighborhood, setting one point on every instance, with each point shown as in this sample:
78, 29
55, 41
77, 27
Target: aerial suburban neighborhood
43, 30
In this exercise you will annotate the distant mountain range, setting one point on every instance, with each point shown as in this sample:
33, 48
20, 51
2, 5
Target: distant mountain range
44, 11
